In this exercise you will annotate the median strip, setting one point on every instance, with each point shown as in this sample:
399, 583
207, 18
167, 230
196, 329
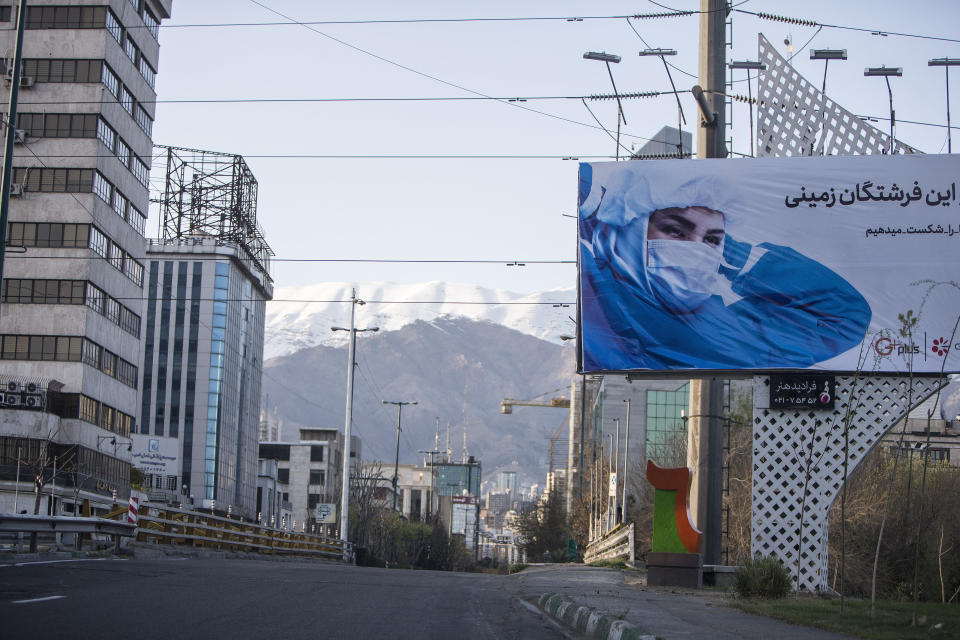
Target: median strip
589, 621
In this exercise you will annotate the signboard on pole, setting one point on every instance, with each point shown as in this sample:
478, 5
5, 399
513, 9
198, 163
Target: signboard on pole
612, 490
326, 513
835, 263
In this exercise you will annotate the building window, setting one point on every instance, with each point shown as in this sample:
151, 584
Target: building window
666, 431
107, 135
126, 100
283, 476
110, 80
66, 17
98, 242
58, 125
144, 121
95, 298
50, 180
316, 453
318, 477
153, 25
113, 26
60, 70
26, 291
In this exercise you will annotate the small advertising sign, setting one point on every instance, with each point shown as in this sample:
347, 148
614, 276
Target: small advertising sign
802, 391
612, 492
326, 513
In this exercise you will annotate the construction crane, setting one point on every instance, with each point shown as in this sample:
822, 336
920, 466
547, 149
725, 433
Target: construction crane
559, 402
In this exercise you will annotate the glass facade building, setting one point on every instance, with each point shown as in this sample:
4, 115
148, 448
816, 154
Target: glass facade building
203, 354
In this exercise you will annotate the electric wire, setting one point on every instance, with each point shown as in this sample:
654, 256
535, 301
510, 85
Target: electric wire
508, 262
424, 74
813, 23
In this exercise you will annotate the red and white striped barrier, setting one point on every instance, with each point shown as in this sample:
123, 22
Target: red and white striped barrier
133, 511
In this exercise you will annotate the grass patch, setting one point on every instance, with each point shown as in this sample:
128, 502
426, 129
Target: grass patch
610, 564
892, 621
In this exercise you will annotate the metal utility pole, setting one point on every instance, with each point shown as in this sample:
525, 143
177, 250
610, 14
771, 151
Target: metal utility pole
348, 418
705, 433
433, 467
10, 132
396, 462
616, 471
626, 462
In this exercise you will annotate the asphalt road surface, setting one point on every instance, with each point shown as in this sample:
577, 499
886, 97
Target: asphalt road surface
216, 598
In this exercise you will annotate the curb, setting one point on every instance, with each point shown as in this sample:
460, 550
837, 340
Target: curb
589, 621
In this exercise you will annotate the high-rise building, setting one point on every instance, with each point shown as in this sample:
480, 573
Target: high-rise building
72, 291
208, 280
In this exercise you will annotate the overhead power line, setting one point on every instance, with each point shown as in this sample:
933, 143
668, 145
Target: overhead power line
636, 16
600, 96
509, 263
814, 23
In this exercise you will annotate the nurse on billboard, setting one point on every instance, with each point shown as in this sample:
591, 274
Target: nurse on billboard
665, 284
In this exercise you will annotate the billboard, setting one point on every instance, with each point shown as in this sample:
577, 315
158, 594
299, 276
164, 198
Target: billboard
836, 263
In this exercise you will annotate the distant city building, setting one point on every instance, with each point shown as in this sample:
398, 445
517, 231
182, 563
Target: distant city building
310, 472
669, 141
458, 495
208, 280
507, 481
415, 486
73, 278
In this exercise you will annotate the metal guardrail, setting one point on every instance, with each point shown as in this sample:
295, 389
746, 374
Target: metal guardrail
20, 523
170, 525
617, 544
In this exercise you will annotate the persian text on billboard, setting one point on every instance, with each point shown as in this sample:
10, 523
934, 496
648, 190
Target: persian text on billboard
773, 263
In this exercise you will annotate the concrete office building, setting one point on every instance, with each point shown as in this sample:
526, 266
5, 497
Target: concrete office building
310, 472
207, 283
70, 324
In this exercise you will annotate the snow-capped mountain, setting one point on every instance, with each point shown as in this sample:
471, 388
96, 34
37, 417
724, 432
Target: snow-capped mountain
301, 316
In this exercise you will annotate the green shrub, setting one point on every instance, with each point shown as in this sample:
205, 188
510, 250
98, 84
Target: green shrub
519, 566
762, 577
610, 563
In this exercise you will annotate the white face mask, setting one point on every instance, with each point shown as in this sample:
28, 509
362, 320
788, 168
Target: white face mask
682, 274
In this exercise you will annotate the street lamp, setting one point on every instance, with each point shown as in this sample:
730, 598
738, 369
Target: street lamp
946, 63
885, 72
826, 55
748, 65
396, 463
348, 418
607, 58
626, 462
682, 120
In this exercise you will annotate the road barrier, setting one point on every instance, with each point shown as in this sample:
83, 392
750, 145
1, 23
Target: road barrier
616, 545
50, 527
170, 525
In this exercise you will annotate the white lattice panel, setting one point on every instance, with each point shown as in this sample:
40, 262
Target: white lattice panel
789, 121
782, 442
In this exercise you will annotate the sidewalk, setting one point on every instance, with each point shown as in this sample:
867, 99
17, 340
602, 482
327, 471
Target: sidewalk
661, 611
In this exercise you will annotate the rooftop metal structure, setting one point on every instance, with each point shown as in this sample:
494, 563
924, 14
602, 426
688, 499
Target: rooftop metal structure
209, 194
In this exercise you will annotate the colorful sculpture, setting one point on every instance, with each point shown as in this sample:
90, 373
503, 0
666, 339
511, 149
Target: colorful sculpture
673, 528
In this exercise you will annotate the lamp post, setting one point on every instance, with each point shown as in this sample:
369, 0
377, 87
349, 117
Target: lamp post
616, 471
748, 65
626, 462
886, 72
681, 119
946, 63
826, 55
396, 462
607, 58
348, 418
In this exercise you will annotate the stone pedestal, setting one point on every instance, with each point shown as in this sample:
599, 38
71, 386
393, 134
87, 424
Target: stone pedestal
675, 570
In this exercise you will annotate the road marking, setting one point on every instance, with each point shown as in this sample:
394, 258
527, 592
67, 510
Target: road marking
37, 599
27, 564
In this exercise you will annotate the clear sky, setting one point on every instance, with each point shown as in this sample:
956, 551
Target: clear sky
506, 208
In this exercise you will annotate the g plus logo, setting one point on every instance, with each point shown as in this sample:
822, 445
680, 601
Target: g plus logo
885, 346
939, 347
